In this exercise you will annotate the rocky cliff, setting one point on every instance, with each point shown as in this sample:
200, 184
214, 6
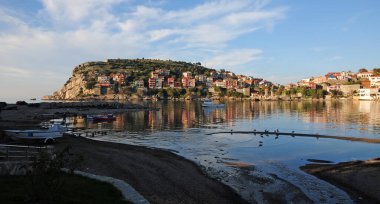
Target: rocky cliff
74, 88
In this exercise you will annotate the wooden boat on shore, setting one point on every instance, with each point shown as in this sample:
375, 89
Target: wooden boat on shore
208, 103
55, 131
101, 118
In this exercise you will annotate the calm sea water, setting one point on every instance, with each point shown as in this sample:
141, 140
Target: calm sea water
184, 127
187, 123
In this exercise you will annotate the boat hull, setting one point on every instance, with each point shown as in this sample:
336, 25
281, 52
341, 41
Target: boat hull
101, 118
55, 131
33, 135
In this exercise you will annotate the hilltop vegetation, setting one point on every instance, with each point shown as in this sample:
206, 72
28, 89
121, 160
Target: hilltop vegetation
141, 67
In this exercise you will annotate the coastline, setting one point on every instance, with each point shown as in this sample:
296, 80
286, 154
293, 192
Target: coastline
160, 176
100, 151
360, 179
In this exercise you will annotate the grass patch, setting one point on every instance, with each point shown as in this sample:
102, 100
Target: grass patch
74, 189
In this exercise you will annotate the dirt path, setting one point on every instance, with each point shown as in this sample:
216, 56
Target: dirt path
160, 176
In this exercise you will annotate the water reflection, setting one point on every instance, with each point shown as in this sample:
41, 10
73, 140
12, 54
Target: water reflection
185, 127
346, 117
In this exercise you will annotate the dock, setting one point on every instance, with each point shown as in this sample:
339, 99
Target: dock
88, 132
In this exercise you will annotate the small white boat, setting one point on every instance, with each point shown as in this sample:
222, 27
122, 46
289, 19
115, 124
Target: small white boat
48, 124
55, 131
209, 103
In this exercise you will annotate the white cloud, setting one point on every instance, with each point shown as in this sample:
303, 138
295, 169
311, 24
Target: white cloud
70, 32
162, 33
74, 10
233, 58
14, 72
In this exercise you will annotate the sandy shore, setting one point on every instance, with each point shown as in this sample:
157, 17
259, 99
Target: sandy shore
160, 176
361, 179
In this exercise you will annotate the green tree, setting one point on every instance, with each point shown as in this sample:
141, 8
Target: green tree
363, 70
336, 93
115, 87
376, 71
90, 83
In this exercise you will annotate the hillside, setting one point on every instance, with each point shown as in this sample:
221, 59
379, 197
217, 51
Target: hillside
118, 77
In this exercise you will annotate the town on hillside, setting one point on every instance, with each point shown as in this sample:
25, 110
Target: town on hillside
363, 85
158, 79
166, 82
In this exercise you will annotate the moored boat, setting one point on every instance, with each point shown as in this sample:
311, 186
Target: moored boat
101, 118
209, 103
55, 131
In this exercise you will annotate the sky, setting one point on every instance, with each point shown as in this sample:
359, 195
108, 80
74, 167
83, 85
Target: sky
283, 41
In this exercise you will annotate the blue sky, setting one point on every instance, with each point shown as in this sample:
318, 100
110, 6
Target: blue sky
41, 41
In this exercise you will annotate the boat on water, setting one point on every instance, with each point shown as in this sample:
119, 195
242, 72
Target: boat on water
210, 104
48, 124
54, 131
101, 118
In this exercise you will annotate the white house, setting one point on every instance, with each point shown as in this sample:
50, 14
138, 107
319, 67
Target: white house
369, 94
375, 80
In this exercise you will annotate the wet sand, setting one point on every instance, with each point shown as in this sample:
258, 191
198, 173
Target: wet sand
160, 176
361, 179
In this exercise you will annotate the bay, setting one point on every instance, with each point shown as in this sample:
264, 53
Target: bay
249, 163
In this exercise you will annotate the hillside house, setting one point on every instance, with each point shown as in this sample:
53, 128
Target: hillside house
103, 79
369, 94
188, 82
364, 75
201, 78
171, 82
119, 78
192, 83
159, 83
139, 84
244, 91
152, 83
375, 81
365, 83
229, 83
210, 81
332, 75
162, 72
187, 74
320, 79
219, 83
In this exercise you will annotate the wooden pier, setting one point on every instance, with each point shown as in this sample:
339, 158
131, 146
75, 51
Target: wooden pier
294, 134
89, 133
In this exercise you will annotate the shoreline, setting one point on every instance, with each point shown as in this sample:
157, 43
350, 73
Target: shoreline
359, 178
160, 176
225, 98
106, 151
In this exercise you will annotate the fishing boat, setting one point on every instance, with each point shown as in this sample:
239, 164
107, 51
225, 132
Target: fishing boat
101, 118
55, 131
210, 104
